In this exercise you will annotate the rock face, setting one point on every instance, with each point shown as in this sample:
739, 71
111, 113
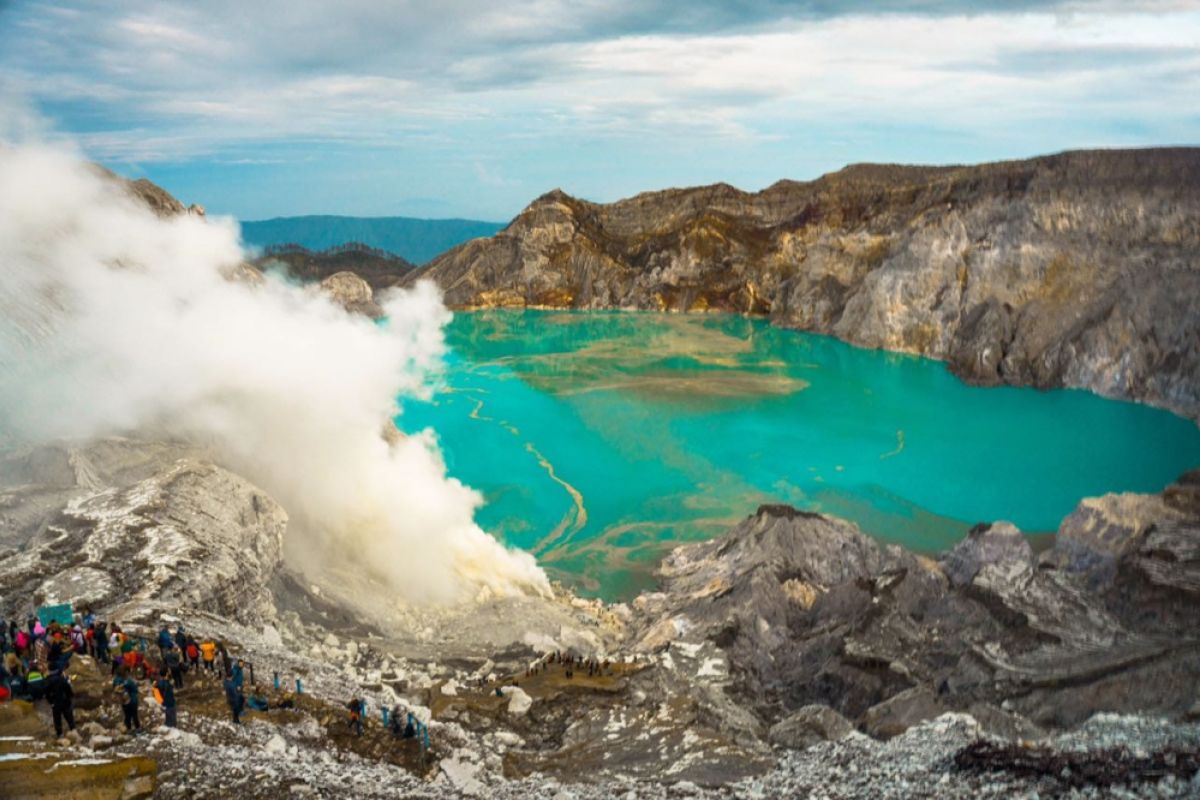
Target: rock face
138, 538
809, 611
352, 293
1079, 269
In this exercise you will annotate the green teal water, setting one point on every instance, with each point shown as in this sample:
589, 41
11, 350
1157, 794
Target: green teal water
600, 440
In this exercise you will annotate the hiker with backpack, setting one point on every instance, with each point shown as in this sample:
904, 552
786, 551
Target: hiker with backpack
166, 697
125, 683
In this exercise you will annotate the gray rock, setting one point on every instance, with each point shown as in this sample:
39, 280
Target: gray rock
808, 726
997, 543
897, 714
352, 293
1006, 725
188, 534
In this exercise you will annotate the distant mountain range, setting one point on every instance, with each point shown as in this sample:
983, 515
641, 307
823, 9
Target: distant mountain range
416, 240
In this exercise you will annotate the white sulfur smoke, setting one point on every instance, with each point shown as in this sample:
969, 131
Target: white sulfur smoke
114, 320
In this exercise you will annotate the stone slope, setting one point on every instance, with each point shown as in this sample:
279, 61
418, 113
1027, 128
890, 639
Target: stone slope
807, 610
1080, 269
188, 535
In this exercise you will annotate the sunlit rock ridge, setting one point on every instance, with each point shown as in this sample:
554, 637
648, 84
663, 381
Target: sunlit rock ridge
1080, 269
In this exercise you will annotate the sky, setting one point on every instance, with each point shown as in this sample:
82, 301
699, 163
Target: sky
472, 108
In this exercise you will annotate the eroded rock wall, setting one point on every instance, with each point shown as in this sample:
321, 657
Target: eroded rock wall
1080, 269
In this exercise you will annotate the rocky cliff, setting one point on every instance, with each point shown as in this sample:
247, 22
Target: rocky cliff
1080, 269
811, 613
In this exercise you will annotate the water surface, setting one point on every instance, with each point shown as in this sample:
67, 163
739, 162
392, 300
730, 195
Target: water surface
602, 439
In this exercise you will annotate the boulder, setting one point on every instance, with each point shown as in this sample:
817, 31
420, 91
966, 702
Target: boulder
808, 726
894, 716
999, 542
352, 293
519, 701
1102, 531
1004, 724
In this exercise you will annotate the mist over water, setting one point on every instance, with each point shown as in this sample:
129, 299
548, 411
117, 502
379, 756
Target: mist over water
116, 321
603, 439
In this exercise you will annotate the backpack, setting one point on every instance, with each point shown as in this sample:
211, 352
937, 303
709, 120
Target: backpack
192, 652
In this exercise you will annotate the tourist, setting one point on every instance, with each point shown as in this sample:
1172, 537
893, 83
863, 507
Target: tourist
173, 661
54, 656
208, 650
235, 700
100, 639
236, 674
165, 641
167, 694
394, 724
193, 652
128, 685
35, 683
356, 714
61, 698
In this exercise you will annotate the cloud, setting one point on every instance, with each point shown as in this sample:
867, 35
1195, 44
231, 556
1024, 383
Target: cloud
114, 321
210, 80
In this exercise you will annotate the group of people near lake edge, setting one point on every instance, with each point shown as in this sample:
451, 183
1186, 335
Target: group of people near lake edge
34, 658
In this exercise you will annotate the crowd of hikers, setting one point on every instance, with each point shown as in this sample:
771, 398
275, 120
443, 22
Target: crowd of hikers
34, 658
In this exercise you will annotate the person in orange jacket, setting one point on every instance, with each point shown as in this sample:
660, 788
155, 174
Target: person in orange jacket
208, 653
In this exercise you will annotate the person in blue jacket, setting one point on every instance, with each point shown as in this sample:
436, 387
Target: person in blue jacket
165, 640
233, 696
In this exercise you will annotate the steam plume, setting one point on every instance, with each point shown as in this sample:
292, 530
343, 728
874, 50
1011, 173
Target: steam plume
113, 320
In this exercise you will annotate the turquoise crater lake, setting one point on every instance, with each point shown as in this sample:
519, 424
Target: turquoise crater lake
600, 440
